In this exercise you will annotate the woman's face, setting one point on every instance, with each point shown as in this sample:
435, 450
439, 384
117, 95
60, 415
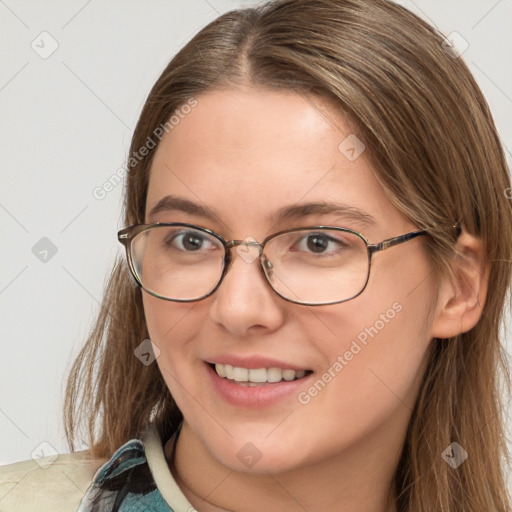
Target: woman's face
245, 155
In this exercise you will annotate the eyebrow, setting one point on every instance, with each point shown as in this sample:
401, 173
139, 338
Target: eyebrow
286, 213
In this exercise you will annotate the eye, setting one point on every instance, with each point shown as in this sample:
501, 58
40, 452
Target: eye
189, 241
320, 243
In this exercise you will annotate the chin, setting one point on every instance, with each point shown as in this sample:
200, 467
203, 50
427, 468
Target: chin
254, 451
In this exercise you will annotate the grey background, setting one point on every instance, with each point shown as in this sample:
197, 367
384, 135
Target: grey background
65, 126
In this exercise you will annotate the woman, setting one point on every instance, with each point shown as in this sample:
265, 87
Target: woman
318, 238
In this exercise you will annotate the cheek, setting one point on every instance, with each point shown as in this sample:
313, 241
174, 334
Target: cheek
170, 328
374, 351
173, 327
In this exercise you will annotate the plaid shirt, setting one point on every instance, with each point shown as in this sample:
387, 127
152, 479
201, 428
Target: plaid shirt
124, 484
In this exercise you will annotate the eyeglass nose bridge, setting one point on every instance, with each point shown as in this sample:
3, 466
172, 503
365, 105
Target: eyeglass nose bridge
265, 263
234, 243
243, 248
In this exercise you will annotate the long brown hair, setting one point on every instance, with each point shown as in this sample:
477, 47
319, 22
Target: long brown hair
432, 142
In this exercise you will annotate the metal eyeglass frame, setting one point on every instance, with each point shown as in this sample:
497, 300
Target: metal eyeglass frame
126, 235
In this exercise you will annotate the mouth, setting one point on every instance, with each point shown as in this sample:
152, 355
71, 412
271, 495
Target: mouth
257, 376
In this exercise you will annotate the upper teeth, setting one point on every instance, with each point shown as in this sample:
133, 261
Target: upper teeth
258, 374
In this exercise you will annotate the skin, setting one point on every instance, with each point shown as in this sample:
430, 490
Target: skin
246, 153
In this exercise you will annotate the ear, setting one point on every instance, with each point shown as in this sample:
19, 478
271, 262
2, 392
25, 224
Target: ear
461, 298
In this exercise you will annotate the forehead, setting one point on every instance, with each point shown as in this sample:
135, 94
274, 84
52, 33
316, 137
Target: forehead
248, 153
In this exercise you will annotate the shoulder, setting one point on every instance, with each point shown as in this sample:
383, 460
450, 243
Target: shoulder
50, 484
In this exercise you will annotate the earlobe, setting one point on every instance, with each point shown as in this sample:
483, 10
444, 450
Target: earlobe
461, 298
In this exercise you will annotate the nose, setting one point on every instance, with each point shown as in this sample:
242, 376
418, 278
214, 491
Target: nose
245, 303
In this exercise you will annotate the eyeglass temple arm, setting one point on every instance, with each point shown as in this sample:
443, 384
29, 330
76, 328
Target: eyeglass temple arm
126, 234
390, 242
123, 237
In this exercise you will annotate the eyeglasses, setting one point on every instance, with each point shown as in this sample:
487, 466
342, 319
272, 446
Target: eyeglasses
312, 266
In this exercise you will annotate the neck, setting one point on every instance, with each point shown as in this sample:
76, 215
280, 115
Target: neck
360, 478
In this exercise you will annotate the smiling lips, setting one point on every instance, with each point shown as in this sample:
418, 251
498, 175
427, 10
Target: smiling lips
256, 381
255, 376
